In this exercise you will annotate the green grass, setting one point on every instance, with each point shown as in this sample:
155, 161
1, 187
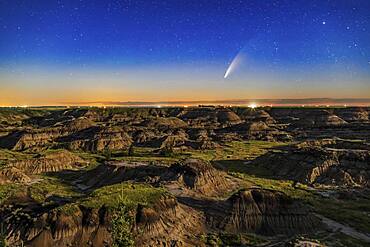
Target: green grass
345, 241
355, 213
236, 150
7, 190
7, 156
130, 194
285, 186
92, 158
141, 154
49, 186
232, 151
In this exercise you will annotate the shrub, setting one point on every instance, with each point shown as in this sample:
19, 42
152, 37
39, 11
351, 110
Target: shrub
121, 226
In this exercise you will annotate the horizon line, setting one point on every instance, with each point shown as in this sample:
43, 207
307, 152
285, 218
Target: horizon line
282, 101
226, 102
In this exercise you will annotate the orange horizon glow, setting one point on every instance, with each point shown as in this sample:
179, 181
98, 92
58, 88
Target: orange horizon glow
47, 86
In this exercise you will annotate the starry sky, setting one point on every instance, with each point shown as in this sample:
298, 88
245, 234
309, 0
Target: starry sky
53, 52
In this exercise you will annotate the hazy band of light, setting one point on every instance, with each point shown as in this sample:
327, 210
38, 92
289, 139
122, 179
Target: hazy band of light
24, 85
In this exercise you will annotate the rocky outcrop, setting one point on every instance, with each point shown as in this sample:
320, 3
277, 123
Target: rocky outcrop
77, 226
197, 175
353, 114
144, 136
164, 222
189, 176
168, 223
256, 131
173, 141
226, 116
321, 118
323, 162
164, 123
255, 210
254, 115
13, 175
52, 161
40, 138
307, 118
266, 212
209, 115
96, 139
35, 139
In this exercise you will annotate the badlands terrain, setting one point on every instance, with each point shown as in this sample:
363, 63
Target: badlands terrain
195, 176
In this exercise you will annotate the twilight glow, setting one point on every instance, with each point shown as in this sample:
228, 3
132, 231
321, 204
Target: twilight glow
57, 52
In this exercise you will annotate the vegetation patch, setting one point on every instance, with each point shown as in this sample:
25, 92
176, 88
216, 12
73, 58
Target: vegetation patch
128, 194
49, 186
352, 212
121, 227
236, 150
7, 156
8, 190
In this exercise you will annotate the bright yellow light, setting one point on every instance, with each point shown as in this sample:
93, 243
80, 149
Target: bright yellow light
252, 105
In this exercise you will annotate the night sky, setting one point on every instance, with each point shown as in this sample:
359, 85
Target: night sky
77, 51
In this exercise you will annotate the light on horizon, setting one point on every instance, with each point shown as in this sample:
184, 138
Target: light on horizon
252, 105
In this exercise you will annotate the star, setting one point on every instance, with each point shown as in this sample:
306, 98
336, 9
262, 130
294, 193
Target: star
324, 22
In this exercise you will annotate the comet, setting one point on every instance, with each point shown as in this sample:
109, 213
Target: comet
233, 65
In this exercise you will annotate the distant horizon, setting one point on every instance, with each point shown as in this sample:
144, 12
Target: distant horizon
309, 102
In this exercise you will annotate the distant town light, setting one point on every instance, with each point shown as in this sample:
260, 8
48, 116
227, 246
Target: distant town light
252, 105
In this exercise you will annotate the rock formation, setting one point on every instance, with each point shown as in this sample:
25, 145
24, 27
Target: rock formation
323, 162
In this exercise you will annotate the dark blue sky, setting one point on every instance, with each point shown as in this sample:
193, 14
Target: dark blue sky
160, 31
125, 34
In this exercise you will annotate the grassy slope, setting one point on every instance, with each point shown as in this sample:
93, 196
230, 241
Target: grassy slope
129, 193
